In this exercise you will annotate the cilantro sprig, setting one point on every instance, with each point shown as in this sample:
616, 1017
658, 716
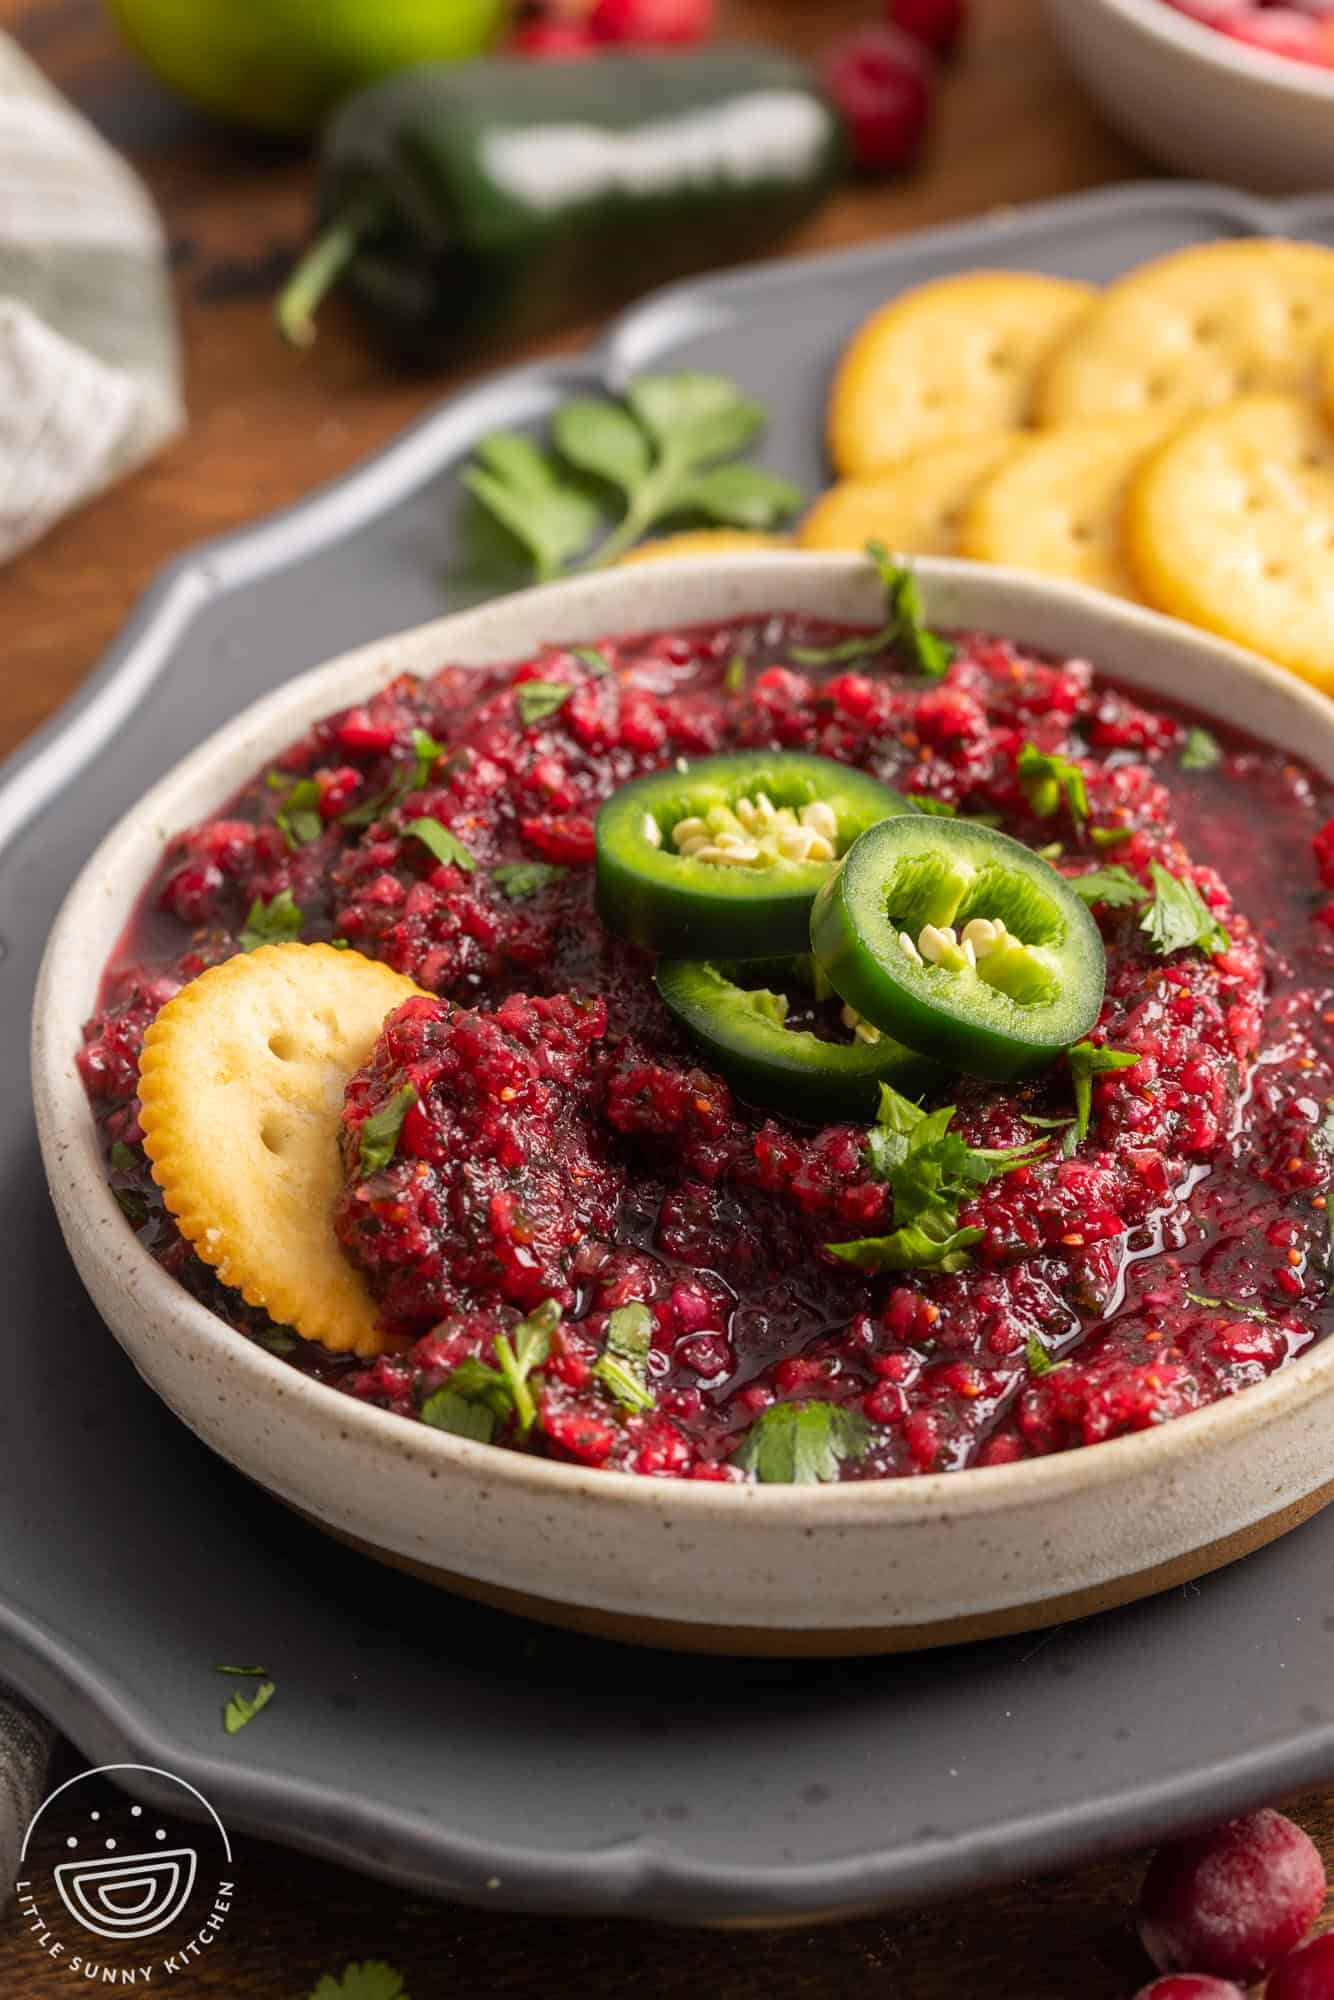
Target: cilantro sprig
905, 626
670, 448
1047, 779
439, 841
1086, 1061
477, 1397
803, 1444
1178, 918
930, 1170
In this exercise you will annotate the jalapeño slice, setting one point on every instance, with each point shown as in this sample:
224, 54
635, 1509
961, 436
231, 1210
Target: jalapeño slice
725, 856
741, 1032
962, 943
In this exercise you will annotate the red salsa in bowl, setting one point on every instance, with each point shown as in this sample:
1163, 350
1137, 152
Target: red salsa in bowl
586, 1242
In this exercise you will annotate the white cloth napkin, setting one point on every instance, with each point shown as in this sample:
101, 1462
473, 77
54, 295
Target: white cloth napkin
89, 362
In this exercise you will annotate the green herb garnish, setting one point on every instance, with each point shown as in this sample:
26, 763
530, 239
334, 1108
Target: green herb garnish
447, 1410
593, 658
1040, 1362
922, 802
278, 921
623, 1366
537, 701
1047, 779
803, 1444
247, 1673
930, 1171
444, 845
428, 753
1115, 886
905, 626
379, 1133
299, 815
371, 1980
1179, 919
734, 675
476, 1396
1238, 1310
122, 1158
1110, 836
532, 496
520, 879
1200, 751
277, 1340
242, 1708
1087, 1060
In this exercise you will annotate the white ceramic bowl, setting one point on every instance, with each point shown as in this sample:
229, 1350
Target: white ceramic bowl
863, 1567
1197, 100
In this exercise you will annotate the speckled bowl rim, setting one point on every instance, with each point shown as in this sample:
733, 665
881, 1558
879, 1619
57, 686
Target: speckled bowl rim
1158, 21
64, 1122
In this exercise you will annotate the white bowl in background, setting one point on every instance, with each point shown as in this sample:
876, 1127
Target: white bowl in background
872, 1567
1197, 100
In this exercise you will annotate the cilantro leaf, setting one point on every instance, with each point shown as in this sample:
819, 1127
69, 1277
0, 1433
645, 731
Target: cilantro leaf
803, 1444
248, 1673
379, 1133
429, 753
277, 1340
929, 1168
444, 845
1179, 919
1039, 1361
122, 1158
530, 1349
929, 1245
905, 627
528, 492
922, 802
734, 675
476, 1397
276, 922
1087, 1060
242, 1708
1200, 751
1067, 1127
593, 658
1046, 779
1238, 1311
1110, 836
623, 1366
299, 816
447, 1410
538, 700
371, 1980
1114, 886
520, 879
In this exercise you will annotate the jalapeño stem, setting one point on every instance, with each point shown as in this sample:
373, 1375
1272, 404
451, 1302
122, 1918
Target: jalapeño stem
319, 271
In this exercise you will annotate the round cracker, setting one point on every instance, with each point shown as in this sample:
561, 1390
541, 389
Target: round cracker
949, 360
1230, 524
241, 1086
1196, 329
705, 542
1057, 504
914, 507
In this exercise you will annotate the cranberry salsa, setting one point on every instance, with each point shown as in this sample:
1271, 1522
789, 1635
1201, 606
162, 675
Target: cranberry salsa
897, 1240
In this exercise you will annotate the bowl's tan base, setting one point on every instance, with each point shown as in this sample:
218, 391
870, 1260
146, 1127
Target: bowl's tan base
634, 1628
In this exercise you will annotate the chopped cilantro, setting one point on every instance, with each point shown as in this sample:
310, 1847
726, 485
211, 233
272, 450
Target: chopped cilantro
277, 1340
1238, 1310
623, 1366
476, 1396
734, 675
379, 1133
1110, 836
242, 1708
922, 802
1046, 779
1115, 886
1067, 1127
1200, 751
1179, 919
444, 845
593, 658
520, 879
299, 815
132, 1206
537, 700
371, 1980
803, 1444
930, 1171
905, 626
1087, 1060
1039, 1361
122, 1158
247, 1673
428, 753
447, 1410
278, 921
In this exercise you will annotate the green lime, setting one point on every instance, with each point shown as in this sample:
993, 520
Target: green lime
280, 64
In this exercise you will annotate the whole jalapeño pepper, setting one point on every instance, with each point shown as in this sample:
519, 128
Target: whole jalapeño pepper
462, 201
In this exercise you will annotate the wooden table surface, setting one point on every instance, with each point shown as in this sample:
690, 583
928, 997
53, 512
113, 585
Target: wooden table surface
265, 426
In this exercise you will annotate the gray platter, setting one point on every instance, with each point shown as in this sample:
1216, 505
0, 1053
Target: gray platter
428, 1741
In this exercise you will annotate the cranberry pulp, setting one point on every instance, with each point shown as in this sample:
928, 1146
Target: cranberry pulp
565, 1144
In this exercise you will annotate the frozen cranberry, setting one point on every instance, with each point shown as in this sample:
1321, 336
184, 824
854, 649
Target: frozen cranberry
1190, 1986
1235, 1900
554, 41
881, 81
938, 23
655, 23
1307, 1975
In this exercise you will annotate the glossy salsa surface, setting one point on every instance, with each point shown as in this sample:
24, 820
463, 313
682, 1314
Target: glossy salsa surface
566, 1143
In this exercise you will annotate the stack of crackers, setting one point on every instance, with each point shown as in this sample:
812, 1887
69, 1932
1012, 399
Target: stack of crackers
1170, 439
